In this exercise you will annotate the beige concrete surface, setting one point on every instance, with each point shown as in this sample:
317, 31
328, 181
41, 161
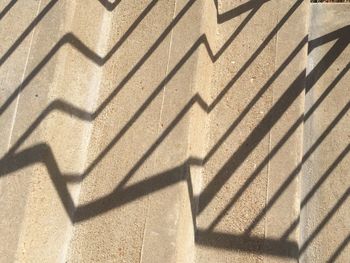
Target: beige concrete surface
257, 95
325, 217
47, 140
173, 131
134, 204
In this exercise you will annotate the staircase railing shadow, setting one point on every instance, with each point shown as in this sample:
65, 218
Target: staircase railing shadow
13, 160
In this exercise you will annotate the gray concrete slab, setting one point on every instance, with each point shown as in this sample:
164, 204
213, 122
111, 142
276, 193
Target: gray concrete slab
325, 185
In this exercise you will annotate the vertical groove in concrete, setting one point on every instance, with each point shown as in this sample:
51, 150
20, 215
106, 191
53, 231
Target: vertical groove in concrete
174, 240
285, 155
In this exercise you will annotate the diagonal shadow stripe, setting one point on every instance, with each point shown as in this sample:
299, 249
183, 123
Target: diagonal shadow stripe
207, 109
295, 172
7, 8
339, 250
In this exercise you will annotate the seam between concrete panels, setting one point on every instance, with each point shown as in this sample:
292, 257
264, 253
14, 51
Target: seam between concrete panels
158, 129
166, 71
270, 132
22, 78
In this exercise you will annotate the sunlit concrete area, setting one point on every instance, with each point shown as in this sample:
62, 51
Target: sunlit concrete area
190, 131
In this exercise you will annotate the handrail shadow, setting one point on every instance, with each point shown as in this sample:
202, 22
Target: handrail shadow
65, 107
13, 160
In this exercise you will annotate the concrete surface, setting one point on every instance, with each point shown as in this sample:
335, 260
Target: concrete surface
173, 131
259, 80
325, 201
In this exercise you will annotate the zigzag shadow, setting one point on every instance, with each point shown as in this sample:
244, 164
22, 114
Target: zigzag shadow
113, 200
110, 6
71, 39
57, 104
106, 203
242, 8
123, 195
87, 116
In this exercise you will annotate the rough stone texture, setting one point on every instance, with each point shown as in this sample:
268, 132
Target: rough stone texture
325, 187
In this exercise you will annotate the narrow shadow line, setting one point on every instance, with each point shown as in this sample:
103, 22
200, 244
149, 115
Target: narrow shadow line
26, 32
291, 228
325, 220
324, 177
339, 250
7, 8
255, 245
